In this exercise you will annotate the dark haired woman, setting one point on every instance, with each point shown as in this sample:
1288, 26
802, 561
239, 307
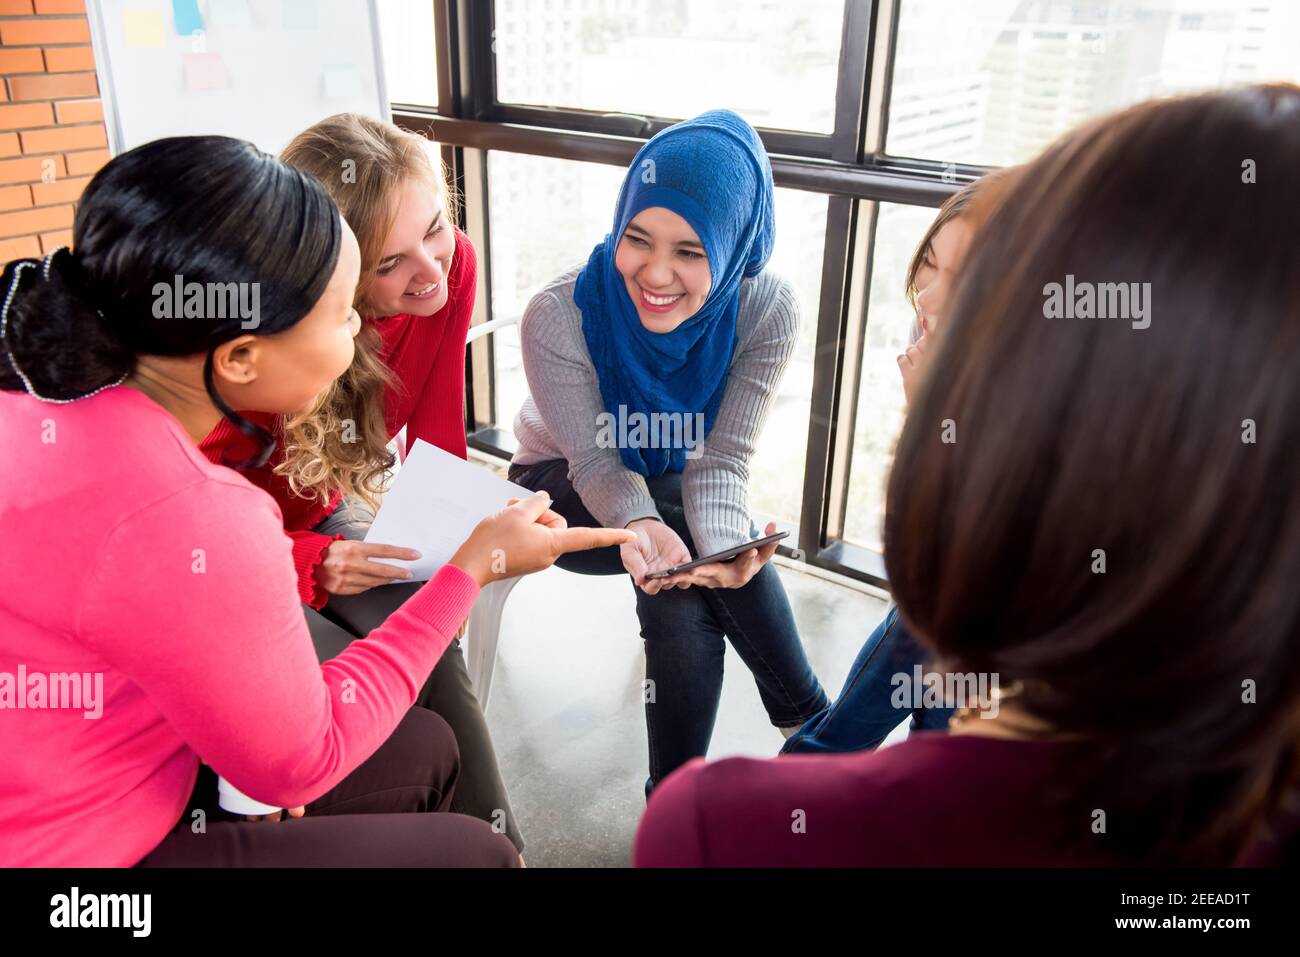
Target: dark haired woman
1149, 712
177, 603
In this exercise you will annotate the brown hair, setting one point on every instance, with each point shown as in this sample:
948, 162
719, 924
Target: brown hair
974, 201
1169, 453
341, 443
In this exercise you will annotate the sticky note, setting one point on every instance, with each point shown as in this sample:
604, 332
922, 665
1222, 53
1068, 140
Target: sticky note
144, 28
186, 14
300, 14
342, 82
229, 13
205, 71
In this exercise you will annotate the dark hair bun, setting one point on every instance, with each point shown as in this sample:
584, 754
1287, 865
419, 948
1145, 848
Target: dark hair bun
54, 333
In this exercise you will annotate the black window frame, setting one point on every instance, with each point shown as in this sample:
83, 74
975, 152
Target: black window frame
848, 166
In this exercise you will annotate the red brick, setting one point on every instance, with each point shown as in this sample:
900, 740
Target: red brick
9, 145
29, 169
87, 162
66, 138
60, 6
54, 240
60, 191
53, 86
26, 116
15, 8
79, 111
15, 197
25, 247
46, 219
21, 61
33, 33
69, 59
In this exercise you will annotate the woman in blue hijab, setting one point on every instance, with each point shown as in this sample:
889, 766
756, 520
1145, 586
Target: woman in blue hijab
651, 370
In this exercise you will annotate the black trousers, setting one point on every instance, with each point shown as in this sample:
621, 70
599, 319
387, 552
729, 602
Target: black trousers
481, 791
389, 812
448, 692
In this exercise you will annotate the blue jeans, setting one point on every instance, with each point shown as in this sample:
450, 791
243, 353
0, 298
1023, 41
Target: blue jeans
684, 632
864, 713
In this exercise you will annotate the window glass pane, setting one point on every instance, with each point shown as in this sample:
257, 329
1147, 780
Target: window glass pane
772, 61
410, 52
880, 393
546, 214
994, 82
776, 471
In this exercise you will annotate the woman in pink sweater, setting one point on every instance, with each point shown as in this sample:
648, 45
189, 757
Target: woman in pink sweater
151, 620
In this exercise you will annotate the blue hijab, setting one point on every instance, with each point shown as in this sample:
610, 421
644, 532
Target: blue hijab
713, 172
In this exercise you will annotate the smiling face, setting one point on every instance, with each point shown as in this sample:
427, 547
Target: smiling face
411, 275
665, 269
939, 270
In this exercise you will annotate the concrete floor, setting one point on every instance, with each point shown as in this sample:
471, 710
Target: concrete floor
566, 712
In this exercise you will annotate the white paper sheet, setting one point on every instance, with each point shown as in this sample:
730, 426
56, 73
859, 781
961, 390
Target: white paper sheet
435, 502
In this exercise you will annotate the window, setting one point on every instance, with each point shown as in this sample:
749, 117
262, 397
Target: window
529, 135
545, 217
410, 56
777, 469
880, 389
976, 65
772, 61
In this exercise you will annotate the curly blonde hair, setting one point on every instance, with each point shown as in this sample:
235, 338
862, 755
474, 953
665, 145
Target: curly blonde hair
340, 444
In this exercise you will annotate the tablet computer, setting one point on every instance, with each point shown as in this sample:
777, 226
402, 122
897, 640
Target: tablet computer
722, 556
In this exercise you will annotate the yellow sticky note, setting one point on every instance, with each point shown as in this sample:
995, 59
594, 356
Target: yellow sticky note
144, 28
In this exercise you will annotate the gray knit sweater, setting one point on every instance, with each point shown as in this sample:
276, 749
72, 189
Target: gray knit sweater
559, 420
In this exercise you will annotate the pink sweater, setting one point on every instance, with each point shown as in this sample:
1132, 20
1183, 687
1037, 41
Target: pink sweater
128, 557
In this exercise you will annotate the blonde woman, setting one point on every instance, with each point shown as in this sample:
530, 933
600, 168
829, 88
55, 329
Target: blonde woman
415, 296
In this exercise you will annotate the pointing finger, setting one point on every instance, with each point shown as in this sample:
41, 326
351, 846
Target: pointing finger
582, 539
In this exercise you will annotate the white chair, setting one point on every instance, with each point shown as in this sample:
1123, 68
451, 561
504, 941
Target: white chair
483, 631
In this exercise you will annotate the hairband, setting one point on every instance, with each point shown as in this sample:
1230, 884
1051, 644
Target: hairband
4, 330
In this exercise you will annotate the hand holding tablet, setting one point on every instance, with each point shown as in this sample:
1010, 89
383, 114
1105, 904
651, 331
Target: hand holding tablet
725, 555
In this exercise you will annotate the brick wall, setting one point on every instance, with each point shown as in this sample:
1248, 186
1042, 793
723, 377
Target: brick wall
52, 136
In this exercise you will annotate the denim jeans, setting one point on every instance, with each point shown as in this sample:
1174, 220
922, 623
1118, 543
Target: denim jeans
684, 632
864, 713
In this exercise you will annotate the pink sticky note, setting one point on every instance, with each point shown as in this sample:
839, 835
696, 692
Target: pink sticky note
205, 71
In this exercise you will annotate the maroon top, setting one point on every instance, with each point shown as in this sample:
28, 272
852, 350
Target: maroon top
936, 799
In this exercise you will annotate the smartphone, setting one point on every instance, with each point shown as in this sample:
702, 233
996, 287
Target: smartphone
722, 556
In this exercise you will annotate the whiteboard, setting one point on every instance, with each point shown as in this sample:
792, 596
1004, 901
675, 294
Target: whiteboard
261, 70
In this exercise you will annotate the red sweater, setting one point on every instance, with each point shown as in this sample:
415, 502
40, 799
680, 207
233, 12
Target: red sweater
427, 357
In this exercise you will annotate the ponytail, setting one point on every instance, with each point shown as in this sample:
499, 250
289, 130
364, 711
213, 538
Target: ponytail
58, 346
39, 316
75, 323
